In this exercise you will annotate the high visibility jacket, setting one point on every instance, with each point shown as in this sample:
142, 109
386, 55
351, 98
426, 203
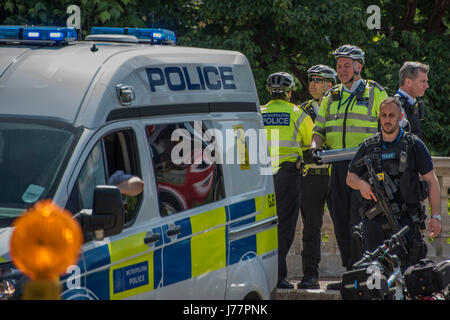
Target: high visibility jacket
288, 127
345, 119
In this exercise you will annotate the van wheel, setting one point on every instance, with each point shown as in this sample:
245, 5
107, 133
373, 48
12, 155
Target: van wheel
169, 205
252, 296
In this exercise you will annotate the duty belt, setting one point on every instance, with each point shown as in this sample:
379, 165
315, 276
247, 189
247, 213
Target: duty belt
317, 172
288, 166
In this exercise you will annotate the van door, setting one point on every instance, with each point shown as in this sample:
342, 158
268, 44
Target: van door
128, 265
192, 210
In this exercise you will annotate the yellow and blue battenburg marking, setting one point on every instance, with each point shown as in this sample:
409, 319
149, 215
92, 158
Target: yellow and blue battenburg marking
128, 266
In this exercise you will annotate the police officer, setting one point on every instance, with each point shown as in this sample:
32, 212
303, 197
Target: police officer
288, 128
401, 156
314, 185
348, 114
413, 79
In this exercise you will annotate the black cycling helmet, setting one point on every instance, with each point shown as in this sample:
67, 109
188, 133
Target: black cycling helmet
324, 72
349, 51
280, 82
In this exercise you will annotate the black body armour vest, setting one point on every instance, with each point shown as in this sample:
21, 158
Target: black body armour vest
414, 114
392, 159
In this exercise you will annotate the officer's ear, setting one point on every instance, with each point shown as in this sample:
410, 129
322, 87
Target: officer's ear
357, 67
408, 82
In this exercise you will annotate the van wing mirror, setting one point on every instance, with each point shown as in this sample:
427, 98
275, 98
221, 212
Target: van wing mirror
107, 217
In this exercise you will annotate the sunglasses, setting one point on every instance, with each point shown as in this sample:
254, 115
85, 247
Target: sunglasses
317, 80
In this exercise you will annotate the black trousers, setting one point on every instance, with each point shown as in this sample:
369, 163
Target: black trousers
374, 235
287, 191
314, 190
343, 203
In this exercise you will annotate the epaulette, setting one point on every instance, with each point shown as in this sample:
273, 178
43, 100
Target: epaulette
304, 104
376, 84
411, 138
375, 139
335, 92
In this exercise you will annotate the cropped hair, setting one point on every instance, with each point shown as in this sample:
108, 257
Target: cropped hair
392, 100
410, 70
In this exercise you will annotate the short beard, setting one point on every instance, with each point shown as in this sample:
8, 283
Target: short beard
390, 131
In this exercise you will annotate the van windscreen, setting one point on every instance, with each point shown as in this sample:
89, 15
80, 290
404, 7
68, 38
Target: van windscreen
33, 156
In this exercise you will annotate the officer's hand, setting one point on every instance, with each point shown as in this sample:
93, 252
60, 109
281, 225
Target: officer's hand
366, 190
315, 155
434, 228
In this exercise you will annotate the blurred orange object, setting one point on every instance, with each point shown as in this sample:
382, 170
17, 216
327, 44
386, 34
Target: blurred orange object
45, 241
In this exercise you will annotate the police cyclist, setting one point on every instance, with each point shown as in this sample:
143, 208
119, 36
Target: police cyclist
314, 185
398, 156
288, 128
348, 114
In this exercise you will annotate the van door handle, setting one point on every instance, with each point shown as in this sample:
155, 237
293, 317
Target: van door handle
152, 238
173, 231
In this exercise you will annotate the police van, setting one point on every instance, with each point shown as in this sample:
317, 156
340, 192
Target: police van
74, 113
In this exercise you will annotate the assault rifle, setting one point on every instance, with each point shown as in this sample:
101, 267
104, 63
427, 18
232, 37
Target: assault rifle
384, 188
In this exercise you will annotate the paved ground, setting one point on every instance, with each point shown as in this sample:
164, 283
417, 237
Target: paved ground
302, 294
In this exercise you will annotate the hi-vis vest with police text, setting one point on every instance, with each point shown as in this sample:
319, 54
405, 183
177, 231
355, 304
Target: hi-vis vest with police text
345, 119
287, 128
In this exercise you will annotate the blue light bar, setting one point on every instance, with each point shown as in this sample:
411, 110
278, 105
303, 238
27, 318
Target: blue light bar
53, 35
156, 36
10, 32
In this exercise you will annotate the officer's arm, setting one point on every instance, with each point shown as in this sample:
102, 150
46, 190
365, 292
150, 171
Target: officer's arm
355, 170
434, 192
316, 141
131, 187
355, 182
319, 125
380, 95
306, 129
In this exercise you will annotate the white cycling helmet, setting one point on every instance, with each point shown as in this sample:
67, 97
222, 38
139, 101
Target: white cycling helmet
324, 72
280, 82
349, 51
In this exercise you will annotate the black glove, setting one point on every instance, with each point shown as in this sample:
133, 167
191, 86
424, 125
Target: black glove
300, 165
315, 155
307, 157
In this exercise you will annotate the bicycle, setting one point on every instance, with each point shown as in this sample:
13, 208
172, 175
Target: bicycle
378, 276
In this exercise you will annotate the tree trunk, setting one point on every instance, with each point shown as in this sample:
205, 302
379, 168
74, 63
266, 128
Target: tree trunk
408, 19
438, 11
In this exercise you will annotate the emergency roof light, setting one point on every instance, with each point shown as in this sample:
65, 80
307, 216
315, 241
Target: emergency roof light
155, 36
41, 35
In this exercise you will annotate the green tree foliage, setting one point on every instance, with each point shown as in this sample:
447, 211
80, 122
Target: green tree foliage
287, 35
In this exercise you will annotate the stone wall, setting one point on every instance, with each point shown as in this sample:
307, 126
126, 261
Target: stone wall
331, 266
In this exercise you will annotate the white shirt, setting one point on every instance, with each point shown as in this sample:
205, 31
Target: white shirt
404, 121
354, 86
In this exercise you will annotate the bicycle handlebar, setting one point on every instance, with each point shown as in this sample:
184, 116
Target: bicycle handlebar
383, 249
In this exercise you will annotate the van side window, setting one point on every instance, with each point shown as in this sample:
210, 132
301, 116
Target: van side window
112, 160
92, 174
185, 185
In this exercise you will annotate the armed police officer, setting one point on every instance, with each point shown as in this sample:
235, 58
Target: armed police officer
413, 79
288, 128
348, 114
397, 158
314, 185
